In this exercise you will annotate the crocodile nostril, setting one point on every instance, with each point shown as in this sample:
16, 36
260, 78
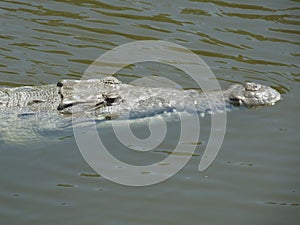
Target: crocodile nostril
250, 86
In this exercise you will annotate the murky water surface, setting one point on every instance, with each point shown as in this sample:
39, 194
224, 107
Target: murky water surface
254, 179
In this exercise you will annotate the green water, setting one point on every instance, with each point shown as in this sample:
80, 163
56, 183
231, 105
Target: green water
255, 177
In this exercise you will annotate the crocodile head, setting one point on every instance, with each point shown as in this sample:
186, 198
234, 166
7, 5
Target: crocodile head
253, 95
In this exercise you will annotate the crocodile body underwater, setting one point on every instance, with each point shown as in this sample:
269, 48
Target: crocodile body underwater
109, 98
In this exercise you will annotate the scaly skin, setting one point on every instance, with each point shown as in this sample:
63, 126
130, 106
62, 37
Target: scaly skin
109, 98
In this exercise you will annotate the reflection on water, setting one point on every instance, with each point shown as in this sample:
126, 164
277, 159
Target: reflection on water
255, 175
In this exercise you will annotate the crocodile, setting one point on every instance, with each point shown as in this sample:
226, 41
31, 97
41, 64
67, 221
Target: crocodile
108, 98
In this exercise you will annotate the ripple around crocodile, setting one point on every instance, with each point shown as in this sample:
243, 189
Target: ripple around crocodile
109, 98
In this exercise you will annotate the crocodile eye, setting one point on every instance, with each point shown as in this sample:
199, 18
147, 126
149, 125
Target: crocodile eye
111, 98
235, 101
